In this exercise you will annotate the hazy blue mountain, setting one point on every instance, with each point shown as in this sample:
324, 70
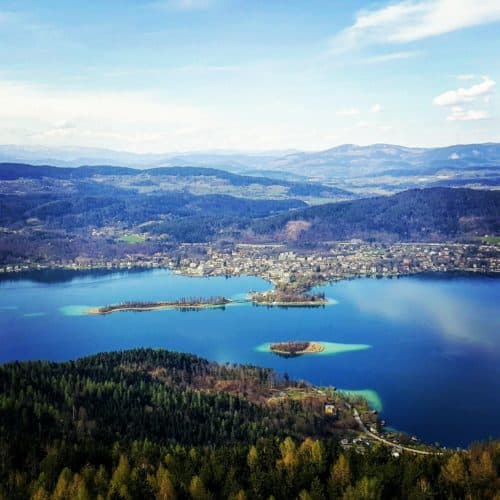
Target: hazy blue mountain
75, 156
366, 170
347, 158
350, 160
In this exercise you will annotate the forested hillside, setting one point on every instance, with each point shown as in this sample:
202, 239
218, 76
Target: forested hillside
155, 424
436, 214
166, 397
105, 206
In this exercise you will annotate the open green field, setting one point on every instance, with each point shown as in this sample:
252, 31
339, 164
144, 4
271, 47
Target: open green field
132, 238
494, 240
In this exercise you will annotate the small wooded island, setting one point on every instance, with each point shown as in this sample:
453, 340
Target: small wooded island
291, 349
185, 304
288, 297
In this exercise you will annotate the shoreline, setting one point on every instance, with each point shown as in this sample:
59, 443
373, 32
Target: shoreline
19, 269
184, 272
316, 303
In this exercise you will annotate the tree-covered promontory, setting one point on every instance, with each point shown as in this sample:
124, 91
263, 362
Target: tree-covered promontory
156, 424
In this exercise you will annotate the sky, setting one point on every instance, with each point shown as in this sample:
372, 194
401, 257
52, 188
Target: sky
152, 76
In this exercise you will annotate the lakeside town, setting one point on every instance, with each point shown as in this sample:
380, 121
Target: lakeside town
343, 260
298, 268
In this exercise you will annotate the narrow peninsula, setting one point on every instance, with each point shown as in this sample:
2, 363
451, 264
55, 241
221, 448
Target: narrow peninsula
294, 348
184, 304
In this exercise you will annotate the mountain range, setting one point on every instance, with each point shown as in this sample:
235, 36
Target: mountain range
375, 157
366, 170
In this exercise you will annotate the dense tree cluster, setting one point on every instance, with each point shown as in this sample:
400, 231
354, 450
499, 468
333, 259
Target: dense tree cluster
289, 295
145, 424
271, 468
289, 347
127, 208
182, 303
436, 214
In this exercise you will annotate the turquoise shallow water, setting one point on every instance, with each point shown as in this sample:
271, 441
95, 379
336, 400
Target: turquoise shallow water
425, 351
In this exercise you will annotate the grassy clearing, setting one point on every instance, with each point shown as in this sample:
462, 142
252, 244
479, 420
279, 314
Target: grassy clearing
132, 238
493, 240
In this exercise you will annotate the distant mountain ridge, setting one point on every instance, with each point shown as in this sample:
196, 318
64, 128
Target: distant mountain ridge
76, 156
346, 154
350, 159
365, 170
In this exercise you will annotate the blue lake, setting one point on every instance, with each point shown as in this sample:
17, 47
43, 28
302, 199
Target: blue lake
424, 350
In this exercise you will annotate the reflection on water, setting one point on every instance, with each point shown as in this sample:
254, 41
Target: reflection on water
59, 276
451, 312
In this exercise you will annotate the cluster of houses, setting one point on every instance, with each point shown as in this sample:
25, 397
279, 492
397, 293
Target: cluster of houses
341, 260
278, 264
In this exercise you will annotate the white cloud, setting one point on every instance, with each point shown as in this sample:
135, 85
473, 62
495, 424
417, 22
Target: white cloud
461, 95
348, 112
412, 20
376, 108
454, 156
146, 122
64, 125
392, 56
363, 124
460, 114
129, 120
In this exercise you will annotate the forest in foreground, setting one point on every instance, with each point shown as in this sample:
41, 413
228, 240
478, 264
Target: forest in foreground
156, 424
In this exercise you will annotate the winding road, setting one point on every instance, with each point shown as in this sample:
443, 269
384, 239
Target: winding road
362, 426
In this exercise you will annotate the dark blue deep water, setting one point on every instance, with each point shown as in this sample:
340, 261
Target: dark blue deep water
425, 350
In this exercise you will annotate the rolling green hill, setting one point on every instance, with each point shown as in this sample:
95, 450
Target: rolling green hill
196, 180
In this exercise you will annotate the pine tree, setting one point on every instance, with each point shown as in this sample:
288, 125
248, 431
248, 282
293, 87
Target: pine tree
341, 472
62, 489
40, 494
364, 489
164, 489
197, 489
454, 470
482, 467
120, 479
289, 458
253, 458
